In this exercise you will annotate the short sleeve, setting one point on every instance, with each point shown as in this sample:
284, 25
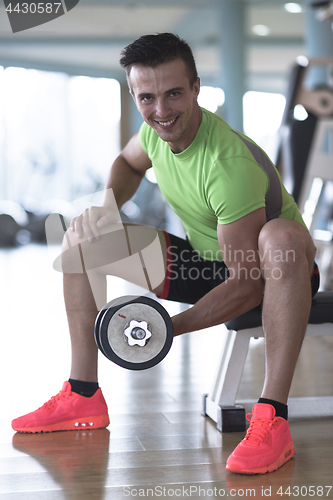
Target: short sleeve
143, 137
235, 188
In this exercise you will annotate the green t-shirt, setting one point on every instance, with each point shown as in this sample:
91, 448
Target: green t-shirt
221, 177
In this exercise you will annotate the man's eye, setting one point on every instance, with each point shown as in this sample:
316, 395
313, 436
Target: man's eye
146, 99
174, 94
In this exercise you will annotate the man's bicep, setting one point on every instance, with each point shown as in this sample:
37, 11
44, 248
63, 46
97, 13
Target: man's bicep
238, 240
135, 155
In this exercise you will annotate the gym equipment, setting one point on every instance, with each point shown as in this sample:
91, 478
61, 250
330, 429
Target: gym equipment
38, 215
306, 158
298, 137
8, 230
221, 404
134, 332
13, 219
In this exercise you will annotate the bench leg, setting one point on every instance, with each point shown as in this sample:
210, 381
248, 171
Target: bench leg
219, 404
222, 405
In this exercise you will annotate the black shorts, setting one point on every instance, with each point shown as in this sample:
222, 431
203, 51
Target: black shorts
189, 277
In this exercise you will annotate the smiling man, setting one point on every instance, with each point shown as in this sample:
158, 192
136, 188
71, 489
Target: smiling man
245, 240
172, 112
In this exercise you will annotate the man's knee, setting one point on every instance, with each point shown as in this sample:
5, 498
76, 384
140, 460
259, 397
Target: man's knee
285, 243
127, 248
70, 259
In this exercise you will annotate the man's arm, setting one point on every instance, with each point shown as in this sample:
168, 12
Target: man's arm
126, 174
243, 290
127, 171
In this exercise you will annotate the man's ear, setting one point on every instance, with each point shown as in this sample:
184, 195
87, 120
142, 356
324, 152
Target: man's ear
130, 87
133, 97
132, 94
196, 86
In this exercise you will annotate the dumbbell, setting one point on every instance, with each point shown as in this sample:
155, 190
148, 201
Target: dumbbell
134, 332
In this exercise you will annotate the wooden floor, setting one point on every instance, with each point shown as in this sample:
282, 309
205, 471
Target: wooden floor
158, 445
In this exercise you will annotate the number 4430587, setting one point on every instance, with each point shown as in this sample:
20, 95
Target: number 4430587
305, 491
34, 8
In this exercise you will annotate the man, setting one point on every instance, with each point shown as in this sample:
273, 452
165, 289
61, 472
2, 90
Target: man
245, 240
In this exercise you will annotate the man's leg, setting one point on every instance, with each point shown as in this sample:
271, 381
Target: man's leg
118, 253
81, 314
135, 253
287, 259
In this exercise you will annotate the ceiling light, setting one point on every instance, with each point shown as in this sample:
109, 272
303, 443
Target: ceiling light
292, 7
300, 113
261, 30
302, 61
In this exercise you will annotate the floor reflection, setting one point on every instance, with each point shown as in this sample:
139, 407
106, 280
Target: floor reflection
262, 485
77, 460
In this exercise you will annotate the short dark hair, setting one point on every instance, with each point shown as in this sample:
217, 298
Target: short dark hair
153, 50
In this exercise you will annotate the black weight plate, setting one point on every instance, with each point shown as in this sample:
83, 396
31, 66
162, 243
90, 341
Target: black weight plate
109, 351
96, 329
119, 301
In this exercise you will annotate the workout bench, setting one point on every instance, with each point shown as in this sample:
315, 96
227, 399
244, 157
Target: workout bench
221, 404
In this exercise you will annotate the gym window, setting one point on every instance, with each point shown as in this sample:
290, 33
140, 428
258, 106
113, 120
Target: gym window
58, 134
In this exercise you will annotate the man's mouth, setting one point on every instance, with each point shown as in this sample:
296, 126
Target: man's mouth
166, 124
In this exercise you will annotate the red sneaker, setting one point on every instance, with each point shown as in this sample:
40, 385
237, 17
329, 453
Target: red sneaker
65, 412
267, 445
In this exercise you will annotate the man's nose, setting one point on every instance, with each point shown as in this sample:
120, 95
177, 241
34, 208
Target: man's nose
162, 108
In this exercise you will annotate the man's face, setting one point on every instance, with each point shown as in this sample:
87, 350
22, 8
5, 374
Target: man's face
166, 102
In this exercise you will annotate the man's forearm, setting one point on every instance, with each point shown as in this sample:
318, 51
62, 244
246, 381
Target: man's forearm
226, 301
123, 181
